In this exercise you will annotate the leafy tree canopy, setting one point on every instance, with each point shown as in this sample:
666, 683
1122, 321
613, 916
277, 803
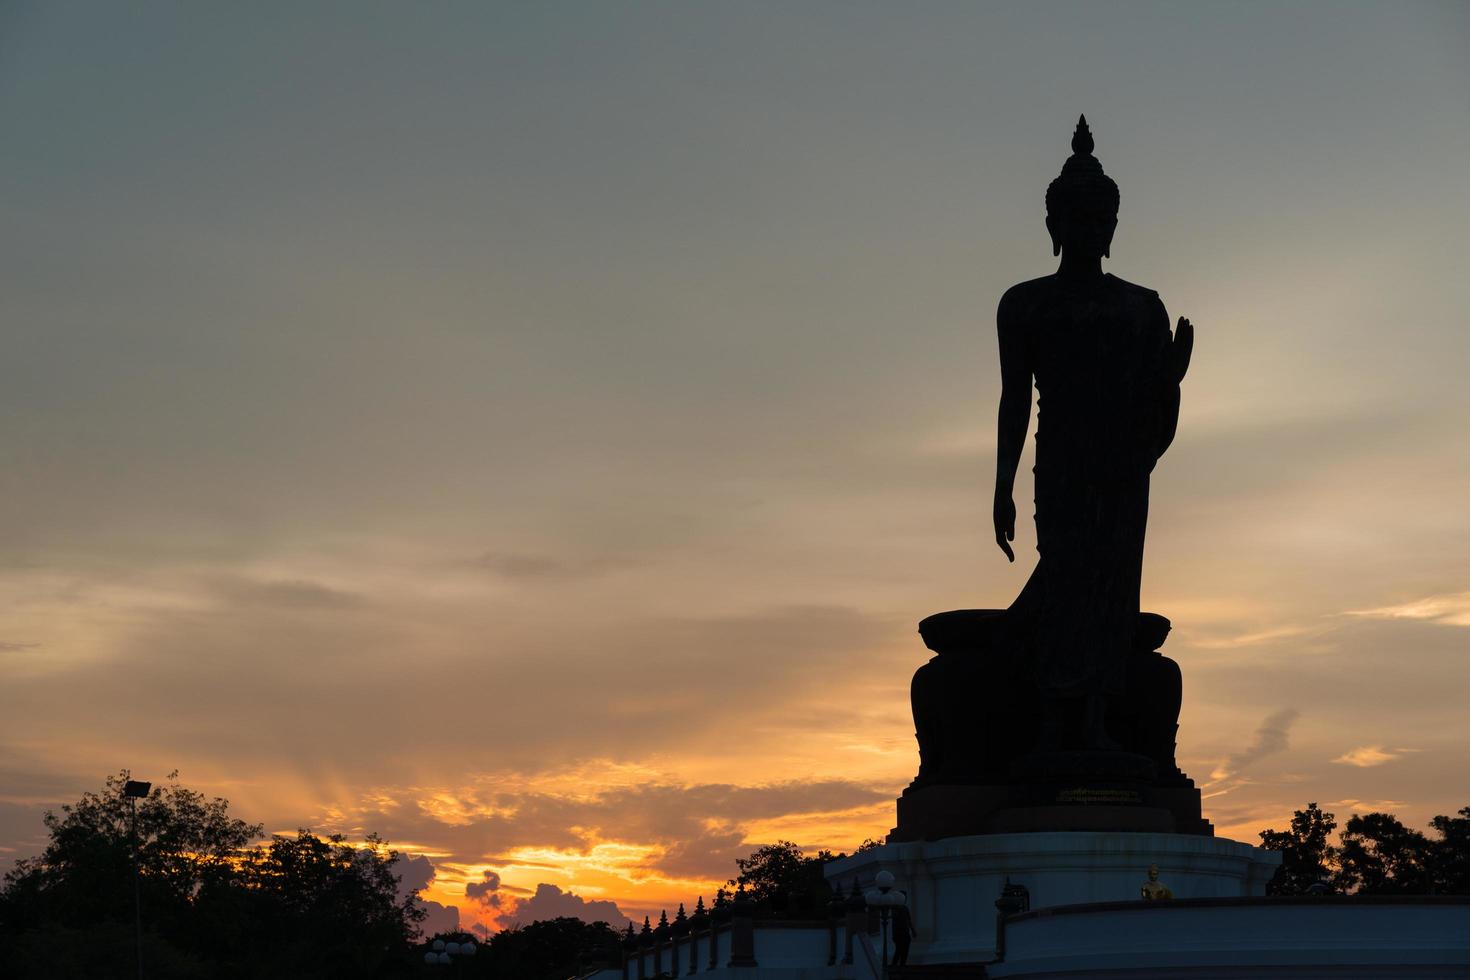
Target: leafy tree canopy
783, 880
551, 949
212, 904
1308, 856
1378, 855
547, 949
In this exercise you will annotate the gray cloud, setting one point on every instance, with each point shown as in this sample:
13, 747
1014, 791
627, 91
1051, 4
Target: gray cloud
415, 873
486, 890
679, 690
22, 834
700, 829
1270, 737
1345, 672
705, 853
24, 778
296, 594
439, 918
550, 902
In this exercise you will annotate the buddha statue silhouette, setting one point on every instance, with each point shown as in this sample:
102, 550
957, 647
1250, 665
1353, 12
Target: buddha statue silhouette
1107, 371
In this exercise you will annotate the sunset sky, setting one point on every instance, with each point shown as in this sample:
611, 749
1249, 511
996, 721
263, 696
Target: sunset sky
533, 431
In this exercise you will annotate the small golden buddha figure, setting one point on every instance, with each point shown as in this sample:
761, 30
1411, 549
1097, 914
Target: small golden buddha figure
1155, 890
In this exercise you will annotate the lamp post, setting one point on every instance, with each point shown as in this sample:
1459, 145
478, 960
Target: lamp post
133, 791
885, 898
441, 953
1014, 899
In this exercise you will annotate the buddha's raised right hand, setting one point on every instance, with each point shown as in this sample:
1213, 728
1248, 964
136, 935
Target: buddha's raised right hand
1180, 350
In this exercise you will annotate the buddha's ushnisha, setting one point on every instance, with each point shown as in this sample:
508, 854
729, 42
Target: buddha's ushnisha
1107, 370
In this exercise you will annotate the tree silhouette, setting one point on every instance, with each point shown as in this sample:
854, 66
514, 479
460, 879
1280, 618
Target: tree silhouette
783, 879
1308, 856
185, 846
212, 906
548, 949
1449, 858
330, 908
1378, 855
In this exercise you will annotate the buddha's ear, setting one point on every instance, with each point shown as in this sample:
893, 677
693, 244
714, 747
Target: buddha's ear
1051, 229
1108, 248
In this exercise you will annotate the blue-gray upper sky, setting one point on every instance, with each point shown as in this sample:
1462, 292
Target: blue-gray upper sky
418, 403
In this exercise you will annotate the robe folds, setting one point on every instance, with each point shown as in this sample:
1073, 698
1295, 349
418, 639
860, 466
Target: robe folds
1099, 354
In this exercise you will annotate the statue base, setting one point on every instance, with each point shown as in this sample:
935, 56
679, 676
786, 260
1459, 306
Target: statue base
1049, 804
952, 884
982, 765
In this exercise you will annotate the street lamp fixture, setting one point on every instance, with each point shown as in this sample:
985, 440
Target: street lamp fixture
441, 953
885, 898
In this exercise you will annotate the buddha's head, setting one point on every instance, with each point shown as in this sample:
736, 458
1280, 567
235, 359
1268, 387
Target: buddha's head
1153, 872
1082, 203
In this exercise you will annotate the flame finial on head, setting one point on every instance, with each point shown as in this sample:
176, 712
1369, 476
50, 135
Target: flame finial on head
1082, 137
1082, 183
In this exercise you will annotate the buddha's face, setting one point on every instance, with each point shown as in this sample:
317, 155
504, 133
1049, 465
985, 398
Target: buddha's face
1153, 872
1082, 232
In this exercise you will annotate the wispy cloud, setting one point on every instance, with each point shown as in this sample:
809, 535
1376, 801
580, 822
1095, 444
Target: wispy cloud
285, 594
1256, 637
1271, 736
1366, 806
1368, 756
1450, 609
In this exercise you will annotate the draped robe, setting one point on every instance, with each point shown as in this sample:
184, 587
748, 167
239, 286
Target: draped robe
1099, 353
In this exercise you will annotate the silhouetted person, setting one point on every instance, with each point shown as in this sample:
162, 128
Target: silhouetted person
1107, 371
903, 934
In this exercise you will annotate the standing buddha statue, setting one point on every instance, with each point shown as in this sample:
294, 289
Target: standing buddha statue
1106, 369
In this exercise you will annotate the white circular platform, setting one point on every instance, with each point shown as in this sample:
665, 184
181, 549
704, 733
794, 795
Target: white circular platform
953, 883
